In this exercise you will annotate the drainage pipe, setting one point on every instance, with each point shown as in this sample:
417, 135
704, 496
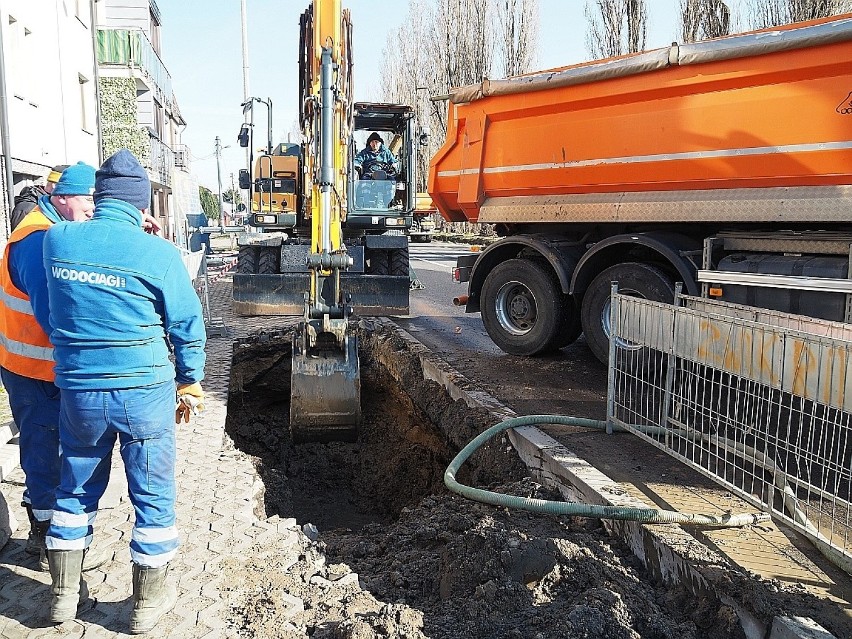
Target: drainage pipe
644, 515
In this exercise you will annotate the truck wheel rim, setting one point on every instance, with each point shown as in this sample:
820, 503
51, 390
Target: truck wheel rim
606, 321
516, 308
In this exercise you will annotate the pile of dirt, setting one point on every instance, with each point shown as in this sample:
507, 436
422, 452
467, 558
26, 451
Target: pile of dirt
396, 555
451, 568
478, 571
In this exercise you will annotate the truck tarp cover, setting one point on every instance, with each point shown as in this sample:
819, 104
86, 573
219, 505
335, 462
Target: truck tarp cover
729, 48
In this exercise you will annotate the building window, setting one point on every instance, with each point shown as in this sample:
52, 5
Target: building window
87, 115
29, 81
81, 10
155, 32
159, 124
23, 83
13, 59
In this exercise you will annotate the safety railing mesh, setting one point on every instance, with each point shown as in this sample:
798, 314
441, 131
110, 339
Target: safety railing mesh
760, 401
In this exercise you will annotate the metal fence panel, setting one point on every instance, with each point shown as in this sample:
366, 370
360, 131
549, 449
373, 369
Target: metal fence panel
760, 401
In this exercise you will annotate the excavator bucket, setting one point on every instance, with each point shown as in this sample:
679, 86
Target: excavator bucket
325, 393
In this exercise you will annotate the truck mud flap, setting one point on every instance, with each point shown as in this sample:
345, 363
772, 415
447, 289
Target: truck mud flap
325, 393
284, 294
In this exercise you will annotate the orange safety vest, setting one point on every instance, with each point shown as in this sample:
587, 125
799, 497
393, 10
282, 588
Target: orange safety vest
24, 347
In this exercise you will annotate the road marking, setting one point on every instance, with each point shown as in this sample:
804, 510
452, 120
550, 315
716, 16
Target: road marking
447, 265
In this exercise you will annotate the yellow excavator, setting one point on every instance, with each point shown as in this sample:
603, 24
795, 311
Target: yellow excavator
345, 252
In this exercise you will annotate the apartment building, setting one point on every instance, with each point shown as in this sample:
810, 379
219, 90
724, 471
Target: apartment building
137, 105
51, 98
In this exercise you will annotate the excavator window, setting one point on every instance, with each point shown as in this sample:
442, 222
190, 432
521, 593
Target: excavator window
262, 185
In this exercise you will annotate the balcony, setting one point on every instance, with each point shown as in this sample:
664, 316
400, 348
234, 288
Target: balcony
131, 49
160, 162
182, 158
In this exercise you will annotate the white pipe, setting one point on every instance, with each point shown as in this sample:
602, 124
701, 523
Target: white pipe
5, 142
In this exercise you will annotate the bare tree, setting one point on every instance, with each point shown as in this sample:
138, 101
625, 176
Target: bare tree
703, 19
517, 35
772, 13
463, 47
444, 44
615, 27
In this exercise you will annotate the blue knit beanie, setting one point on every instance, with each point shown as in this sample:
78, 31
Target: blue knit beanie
121, 177
77, 179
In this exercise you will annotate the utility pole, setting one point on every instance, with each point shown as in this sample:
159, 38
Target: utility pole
243, 17
234, 196
244, 20
219, 177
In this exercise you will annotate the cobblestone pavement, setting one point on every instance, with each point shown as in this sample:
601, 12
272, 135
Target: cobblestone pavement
217, 486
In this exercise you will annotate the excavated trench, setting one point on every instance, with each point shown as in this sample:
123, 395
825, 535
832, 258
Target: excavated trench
399, 458
428, 563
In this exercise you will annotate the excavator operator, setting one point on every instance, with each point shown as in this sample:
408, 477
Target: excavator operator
376, 157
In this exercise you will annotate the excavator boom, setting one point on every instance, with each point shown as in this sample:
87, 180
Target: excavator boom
325, 384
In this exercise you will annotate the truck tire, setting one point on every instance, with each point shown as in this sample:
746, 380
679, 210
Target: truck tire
267, 263
247, 260
634, 278
399, 262
522, 308
379, 262
570, 328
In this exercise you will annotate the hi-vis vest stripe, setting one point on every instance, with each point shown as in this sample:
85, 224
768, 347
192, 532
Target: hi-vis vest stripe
24, 347
15, 303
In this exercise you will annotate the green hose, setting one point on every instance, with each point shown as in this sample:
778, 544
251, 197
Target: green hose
644, 515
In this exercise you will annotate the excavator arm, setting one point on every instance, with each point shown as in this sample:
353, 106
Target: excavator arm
325, 400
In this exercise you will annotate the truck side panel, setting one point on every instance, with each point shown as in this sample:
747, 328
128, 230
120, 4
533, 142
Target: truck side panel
760, 122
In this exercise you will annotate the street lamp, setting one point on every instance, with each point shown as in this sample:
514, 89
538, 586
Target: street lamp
422, 138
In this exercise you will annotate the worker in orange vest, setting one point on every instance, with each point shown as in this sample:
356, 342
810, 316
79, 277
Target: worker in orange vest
27, 199
26, 355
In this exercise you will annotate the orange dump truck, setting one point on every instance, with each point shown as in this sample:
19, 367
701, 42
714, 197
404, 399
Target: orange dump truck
725, 165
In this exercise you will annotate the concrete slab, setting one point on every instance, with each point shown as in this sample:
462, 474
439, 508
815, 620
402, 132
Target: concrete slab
798, 628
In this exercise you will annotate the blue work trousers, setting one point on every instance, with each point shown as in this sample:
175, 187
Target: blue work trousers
143, 419
35, 408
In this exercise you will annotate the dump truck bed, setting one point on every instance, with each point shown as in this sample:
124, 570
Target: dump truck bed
750, 128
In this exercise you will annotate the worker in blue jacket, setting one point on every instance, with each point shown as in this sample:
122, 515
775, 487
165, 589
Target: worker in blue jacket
125, 297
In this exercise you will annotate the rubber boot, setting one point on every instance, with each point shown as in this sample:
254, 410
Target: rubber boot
35, 538
92, 558
152, 597
69, 589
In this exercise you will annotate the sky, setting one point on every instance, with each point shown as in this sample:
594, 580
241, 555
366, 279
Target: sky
202, 49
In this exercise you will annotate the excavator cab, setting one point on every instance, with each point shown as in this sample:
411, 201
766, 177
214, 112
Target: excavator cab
383, 193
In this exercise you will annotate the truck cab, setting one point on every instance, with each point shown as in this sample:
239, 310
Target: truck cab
382, 194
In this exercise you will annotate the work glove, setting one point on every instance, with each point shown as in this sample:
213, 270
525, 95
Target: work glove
190, 399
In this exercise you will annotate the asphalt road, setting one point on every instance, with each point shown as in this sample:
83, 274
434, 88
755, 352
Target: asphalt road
570, 382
